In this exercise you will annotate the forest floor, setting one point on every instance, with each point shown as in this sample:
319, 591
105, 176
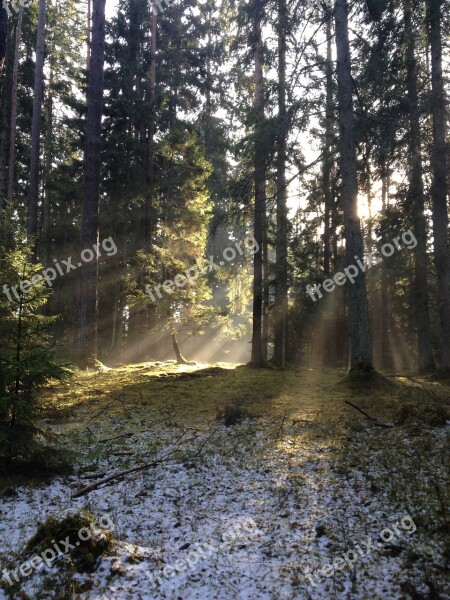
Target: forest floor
305, 479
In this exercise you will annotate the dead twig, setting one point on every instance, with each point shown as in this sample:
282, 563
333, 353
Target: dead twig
372, 419
94, 476
282, 423
150, 465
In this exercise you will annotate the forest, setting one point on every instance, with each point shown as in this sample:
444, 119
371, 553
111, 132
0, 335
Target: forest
224, 299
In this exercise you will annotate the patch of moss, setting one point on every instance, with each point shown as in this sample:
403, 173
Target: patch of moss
432, 414
364, 381
231, 414
74, 529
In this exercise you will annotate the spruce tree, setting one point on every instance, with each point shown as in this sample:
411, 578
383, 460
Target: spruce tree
27, 359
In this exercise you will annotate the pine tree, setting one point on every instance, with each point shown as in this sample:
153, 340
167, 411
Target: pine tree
32, 224
440, 188
87, 334
281, 292
416, 198
27, 360
260, 188
3, 37
358, 311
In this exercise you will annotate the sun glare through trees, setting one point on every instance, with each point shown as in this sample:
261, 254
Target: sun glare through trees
224, 299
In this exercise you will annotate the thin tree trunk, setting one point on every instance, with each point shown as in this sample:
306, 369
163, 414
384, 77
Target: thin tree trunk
385, 360
439, 188
358, 313
328, 161
330, 317
417, 201
5, 96
3, 37
281, 292
88, 36
13, 121
180, 359
266, 298
33, 192
260, 197
87, 331
151, 135
45, 241
369, 198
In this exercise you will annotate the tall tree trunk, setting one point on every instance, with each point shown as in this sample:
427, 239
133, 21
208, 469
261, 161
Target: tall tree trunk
33, 192
3, 37
13, 120
87, 331
260, 195
358, 313
439, 188
151, 136
416, 199
385, 313
281, 292
328, 161
266, 298
5, 105
331, 315
45, 240
88, 35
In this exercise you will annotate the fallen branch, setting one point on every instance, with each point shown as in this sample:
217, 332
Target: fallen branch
374, 421
151, 465
94, 476
282, 423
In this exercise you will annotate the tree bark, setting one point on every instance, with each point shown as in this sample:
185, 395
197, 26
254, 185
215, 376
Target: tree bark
87, 331
385, 314
439, 190
5, 118
45, 241
266, 298
416, 199
281, 283
33, 192
260, 195
180, 358
151, 136
358, 313
13, 120
327, 161
331, 315
88, 36
3, 37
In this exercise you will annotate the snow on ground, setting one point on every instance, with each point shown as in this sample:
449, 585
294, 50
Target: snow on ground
295, 507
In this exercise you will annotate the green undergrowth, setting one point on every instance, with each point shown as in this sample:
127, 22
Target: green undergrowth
98, 413
195, 393
104, 412
390, 430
